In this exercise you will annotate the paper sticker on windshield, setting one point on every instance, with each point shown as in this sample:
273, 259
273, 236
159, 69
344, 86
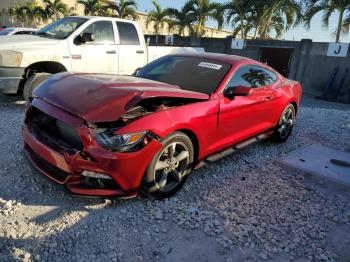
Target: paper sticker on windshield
210, 65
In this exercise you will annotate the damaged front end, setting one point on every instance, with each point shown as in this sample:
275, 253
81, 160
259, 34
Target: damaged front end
94, 158
106, 133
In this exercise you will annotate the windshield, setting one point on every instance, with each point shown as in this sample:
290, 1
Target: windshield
190, 73
62, 28
6, 31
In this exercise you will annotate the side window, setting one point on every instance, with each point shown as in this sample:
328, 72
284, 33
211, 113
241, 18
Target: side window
103, 31
23, 33
270, 77
128, 34
252, 76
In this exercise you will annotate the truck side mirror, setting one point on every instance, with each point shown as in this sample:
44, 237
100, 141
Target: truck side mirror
83, 38
87, 37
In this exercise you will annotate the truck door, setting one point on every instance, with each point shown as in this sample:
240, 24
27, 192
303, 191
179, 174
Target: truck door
99, 55
132, 48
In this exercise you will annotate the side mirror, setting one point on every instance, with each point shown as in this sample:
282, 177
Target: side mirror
136, 71
231, 91
87, 37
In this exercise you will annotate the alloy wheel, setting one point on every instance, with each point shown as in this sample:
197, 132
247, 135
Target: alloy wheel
286, 123
171, 166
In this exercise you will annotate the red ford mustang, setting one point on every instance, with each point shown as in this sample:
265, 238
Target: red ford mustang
107, 135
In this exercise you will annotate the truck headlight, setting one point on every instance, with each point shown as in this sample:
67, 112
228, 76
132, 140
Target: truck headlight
121, 143
10, 58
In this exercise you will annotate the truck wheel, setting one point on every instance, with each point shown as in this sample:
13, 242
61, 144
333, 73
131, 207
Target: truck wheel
33, 82
169, 168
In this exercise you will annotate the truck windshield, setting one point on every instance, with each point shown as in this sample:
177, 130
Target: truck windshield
62, 28
190, 73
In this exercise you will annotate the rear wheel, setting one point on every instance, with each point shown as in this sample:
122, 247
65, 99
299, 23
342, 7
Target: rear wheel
285, 124
169, 168
32, 83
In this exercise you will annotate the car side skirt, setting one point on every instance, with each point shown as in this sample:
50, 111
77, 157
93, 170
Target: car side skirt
237, 147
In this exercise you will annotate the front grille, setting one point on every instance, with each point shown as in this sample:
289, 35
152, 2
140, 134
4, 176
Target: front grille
47, 167
52, 132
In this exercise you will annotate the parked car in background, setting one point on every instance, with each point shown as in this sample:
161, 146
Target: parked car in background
107, 135
3, 27
80, 44
18, 31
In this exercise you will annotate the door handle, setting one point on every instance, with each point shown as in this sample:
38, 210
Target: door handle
111, 52
267, 98
140, 52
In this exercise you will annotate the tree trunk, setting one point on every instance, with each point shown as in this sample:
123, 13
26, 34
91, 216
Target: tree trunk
340, 21
255, 32
267, 25
242, 30
199, 27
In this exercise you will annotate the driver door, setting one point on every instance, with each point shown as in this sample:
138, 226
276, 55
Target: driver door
99, 55
246, 116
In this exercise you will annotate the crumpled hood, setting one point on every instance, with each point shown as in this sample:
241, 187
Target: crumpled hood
103, 98
13, 41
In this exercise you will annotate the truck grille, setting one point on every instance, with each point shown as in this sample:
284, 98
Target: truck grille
53, 132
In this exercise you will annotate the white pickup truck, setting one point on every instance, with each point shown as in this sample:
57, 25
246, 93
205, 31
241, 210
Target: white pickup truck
79, 44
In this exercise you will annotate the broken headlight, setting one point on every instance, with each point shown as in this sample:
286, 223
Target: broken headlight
122, 143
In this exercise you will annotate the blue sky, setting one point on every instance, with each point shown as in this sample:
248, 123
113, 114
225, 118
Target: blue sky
316, 32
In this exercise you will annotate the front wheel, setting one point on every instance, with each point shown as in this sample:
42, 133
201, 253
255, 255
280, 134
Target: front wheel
32, 83
285, 124
169, 168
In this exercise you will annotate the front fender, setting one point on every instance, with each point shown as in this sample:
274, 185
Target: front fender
54, 53
199, 117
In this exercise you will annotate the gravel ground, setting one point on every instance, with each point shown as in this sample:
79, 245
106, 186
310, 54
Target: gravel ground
241, 208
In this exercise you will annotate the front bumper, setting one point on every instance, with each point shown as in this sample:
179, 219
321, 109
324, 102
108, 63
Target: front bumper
10, 78
125, 169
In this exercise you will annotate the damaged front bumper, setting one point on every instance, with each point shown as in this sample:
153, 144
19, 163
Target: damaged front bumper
125, 170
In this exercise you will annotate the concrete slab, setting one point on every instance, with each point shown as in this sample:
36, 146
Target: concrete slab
321, 161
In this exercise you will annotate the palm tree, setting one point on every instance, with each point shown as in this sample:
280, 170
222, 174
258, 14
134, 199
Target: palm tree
18, 13
32, 13
12, 13
93, 7
237, 14
276, 11
204, 9
328, 7
158, 16
219, 15
54, 9
124, 9
181, 19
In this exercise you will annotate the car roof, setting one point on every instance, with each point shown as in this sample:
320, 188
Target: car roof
234, 60
21, 29
224, 58
104, 18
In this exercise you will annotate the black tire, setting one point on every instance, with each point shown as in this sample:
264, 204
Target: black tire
32, 83
153, 183
285, 124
